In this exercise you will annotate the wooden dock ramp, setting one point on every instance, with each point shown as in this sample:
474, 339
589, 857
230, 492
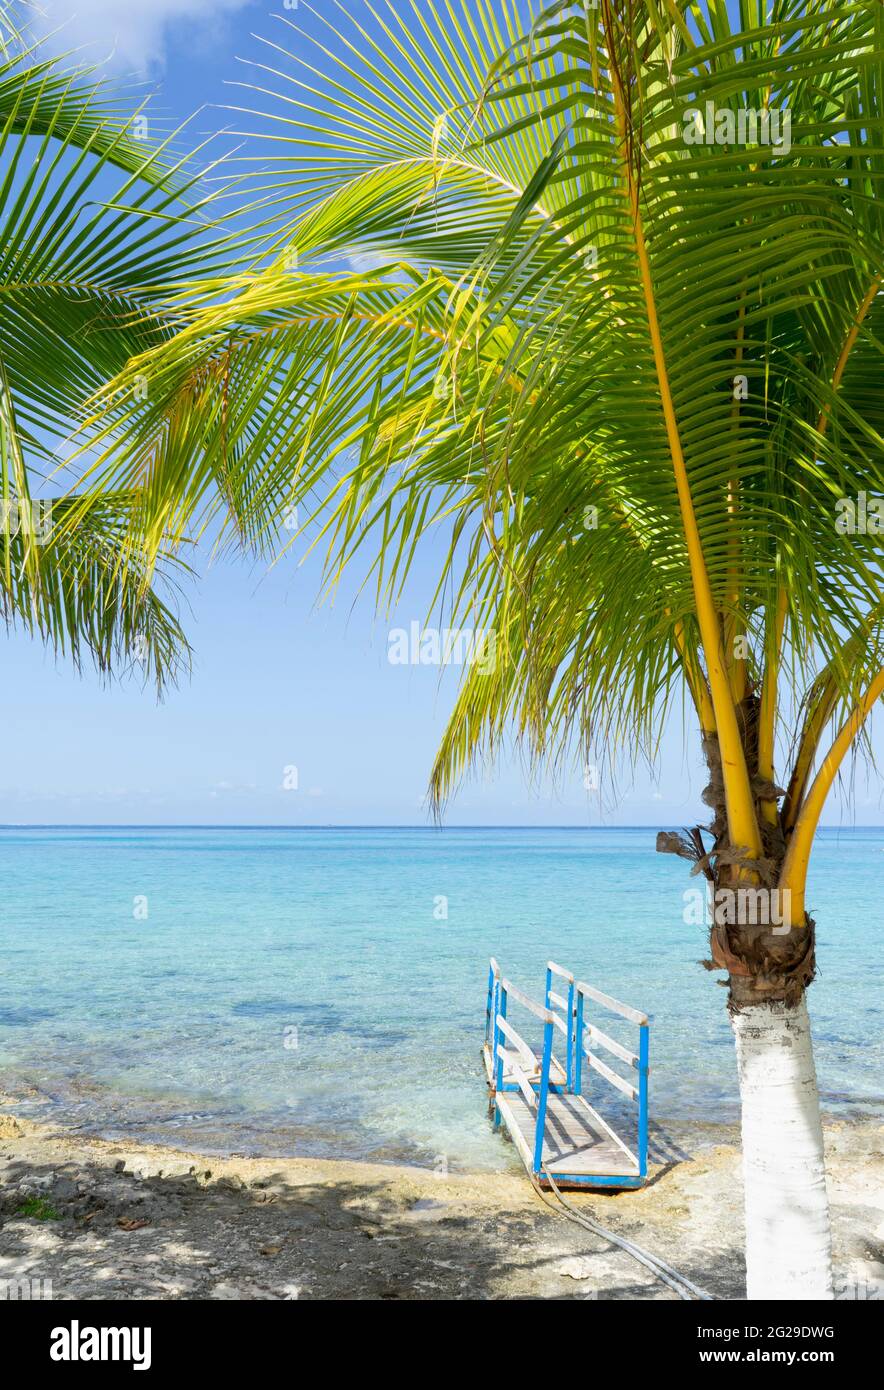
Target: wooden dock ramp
538, 1095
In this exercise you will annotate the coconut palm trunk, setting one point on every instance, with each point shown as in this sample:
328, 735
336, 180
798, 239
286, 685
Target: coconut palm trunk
770, 964
788, 1240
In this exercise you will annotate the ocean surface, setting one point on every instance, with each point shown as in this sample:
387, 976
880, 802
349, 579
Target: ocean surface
313, 991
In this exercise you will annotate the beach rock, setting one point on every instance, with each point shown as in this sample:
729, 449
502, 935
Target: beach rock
182, 1169
225, 1291
241, 1291
234, 1183
580, 1267
35, 1185
142, 1167
64, 1189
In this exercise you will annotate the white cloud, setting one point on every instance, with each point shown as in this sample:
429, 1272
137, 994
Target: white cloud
131, 35
226, 788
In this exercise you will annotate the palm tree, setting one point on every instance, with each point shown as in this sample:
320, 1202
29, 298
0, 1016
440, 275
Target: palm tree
96, 224
617, 334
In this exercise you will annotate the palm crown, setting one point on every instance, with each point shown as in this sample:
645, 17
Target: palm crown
597, 291
619, 333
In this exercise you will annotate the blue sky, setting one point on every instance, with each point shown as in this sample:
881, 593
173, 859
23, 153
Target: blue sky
277, 682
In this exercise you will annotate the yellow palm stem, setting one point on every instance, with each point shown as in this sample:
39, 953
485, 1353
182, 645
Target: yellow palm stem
696, 681
742, 824
793, 876
817, 719
767, 714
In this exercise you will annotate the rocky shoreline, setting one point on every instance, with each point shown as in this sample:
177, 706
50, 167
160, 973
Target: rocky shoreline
87, 1218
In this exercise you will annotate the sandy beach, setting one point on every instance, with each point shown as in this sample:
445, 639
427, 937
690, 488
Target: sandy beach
111, 1220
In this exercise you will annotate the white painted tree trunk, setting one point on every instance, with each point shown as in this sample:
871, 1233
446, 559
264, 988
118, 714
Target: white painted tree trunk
788, 1238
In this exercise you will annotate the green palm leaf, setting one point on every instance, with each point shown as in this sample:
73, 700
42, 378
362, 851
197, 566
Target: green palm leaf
99, 223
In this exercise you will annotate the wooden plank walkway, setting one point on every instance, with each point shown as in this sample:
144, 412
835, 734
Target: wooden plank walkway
556, 1070
575, 1140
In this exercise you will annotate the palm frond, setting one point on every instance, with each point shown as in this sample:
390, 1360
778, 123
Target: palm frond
99, 225
496, 372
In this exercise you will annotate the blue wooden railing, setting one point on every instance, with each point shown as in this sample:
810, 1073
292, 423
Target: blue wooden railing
491, 1004
554, 1000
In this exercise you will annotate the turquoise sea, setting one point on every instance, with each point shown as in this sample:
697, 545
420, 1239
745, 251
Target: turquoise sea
322, 991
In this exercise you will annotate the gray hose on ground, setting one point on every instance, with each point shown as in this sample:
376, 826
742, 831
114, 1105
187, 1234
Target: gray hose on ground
682, 1286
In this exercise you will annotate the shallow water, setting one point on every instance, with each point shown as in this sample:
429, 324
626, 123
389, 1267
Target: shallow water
301, 990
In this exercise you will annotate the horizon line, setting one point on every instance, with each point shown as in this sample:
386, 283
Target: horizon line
335, 825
